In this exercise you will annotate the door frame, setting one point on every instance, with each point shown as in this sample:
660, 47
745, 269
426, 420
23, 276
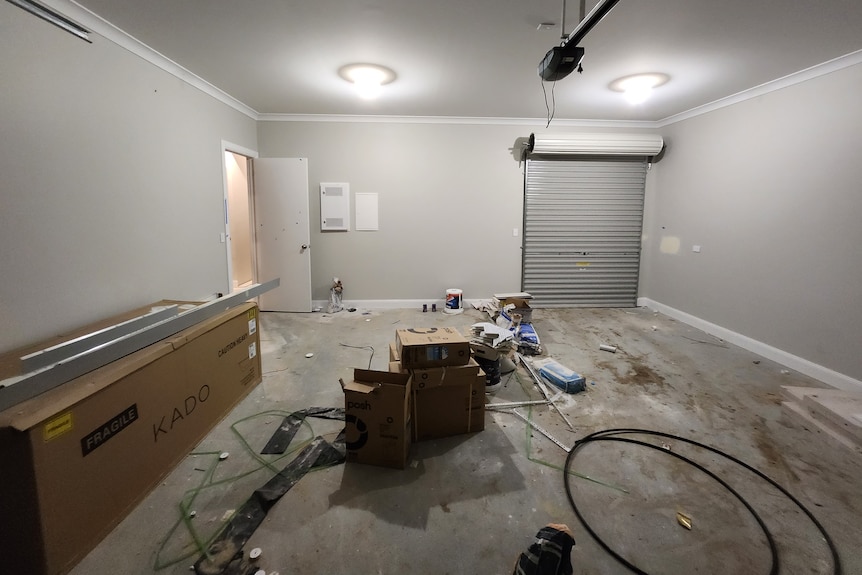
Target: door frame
251, 154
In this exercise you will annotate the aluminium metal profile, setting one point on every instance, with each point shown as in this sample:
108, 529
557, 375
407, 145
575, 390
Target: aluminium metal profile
511, 404
67, 349
541, 430
38, 382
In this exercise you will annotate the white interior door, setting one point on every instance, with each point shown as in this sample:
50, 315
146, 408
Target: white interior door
282, 235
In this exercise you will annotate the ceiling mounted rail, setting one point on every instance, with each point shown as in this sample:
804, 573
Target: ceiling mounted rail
54, 17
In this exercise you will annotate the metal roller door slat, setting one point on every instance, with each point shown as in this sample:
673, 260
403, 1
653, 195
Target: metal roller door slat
583, 221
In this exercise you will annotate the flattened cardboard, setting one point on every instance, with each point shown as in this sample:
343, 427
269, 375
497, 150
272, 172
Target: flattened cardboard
432, 347
79, 457
377, 416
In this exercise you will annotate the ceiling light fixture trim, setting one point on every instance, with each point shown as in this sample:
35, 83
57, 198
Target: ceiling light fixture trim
368, 78
638, 87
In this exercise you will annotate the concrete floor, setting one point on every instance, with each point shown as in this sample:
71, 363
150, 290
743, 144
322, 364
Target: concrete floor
470, 504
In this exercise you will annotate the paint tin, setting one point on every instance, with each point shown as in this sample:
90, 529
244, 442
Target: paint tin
454, 301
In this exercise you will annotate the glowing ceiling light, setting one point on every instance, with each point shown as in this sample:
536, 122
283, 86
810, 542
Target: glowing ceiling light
638, 87
368, 79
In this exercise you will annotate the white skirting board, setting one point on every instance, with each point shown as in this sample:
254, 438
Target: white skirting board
392, 304
809, 368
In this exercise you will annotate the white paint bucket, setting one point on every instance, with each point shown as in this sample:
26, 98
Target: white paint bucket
454, 301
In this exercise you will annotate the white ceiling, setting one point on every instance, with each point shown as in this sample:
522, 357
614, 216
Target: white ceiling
478, 58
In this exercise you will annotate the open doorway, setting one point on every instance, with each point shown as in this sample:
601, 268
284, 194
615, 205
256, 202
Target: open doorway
267, 226
239, 204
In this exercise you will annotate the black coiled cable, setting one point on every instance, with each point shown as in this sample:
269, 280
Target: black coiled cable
612, 435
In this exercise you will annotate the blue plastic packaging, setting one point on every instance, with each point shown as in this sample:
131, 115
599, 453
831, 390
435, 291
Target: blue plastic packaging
563, 377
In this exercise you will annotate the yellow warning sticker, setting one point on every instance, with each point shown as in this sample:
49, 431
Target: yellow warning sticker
582, 264
58, 426
251, 313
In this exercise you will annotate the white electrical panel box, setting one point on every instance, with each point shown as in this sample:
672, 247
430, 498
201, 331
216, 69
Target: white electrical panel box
334, 207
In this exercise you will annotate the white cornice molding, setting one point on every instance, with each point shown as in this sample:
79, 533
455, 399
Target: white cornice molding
102, 27
351, 118
828, 67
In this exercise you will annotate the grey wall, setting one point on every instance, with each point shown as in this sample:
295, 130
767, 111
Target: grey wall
449, 198
110, 181
771, 188
111, 189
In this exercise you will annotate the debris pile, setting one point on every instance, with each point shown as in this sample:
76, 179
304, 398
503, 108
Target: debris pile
335, 296
513, 312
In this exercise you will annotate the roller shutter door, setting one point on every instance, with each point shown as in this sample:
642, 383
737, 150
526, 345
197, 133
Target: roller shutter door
583, 220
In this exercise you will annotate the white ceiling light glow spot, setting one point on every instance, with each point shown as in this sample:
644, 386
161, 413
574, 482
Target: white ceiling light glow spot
368, 79
637, 88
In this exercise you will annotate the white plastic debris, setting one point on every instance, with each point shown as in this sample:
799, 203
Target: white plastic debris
223, 455
254, 553
309, 354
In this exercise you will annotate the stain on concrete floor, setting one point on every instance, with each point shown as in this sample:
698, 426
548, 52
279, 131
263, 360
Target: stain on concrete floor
469, 504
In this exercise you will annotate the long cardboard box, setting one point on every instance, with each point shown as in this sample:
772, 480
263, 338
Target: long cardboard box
79, 457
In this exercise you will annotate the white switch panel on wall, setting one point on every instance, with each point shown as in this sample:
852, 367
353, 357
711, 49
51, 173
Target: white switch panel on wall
334, 206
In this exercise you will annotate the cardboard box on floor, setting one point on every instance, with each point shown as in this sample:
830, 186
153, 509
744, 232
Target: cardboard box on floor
377, 417
79, 457
522, 307
432, 347
446, 400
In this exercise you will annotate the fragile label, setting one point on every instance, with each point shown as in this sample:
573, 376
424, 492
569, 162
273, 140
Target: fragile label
109, 429
252, 350
57, 426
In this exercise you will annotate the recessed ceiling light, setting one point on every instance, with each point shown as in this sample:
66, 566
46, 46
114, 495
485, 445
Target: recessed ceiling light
368, 78
638, 87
